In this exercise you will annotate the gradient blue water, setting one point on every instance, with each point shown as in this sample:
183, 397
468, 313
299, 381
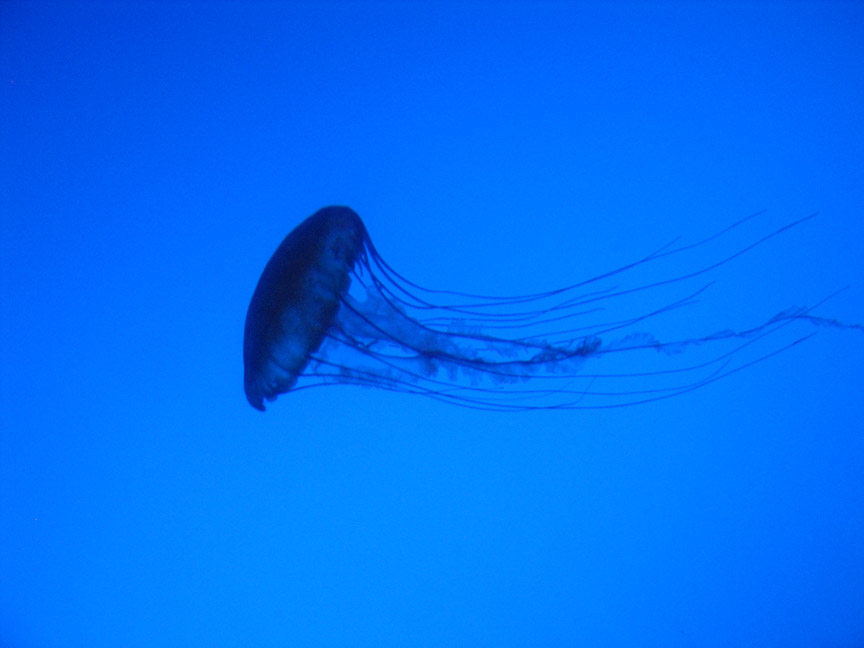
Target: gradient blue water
154, 154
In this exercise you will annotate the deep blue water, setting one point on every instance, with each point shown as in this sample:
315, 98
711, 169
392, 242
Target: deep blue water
154, 154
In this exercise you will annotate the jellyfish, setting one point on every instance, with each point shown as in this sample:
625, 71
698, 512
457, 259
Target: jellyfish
329, 310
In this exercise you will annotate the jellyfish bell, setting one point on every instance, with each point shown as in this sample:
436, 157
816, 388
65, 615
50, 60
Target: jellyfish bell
328, 309
297, 300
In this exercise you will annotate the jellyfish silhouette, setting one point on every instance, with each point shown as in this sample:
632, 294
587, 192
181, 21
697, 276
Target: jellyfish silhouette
329, 310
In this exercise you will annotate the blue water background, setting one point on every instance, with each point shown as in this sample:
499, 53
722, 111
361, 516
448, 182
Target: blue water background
152, 156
